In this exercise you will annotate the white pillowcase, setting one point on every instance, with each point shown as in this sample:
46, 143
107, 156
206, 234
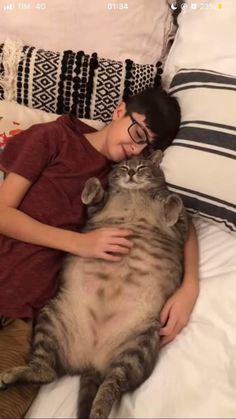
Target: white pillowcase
205, 39
200, 164
12, 114
136, 29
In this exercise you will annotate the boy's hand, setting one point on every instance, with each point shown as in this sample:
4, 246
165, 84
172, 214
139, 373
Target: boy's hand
176, 312
104, 243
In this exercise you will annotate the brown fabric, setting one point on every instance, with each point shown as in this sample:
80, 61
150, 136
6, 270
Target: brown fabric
15, 341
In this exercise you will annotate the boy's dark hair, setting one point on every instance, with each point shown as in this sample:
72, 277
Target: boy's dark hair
162, 114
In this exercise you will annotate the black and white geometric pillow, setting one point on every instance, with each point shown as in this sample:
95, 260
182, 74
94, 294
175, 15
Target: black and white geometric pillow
200, 164
85, 85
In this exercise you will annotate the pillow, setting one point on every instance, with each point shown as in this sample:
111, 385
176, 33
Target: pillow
205, 39
200, 164
85, 85
136, 29
15, 118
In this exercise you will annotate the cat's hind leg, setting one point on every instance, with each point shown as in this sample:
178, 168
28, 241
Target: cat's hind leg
42, 367
26, 374
129, 370
90, 381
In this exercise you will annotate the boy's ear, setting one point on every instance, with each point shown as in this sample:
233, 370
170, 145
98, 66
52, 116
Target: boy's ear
119, 111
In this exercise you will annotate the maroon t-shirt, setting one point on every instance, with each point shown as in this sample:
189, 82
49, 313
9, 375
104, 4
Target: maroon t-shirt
57, 158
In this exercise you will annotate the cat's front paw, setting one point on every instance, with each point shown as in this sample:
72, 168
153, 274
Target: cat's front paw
92, 192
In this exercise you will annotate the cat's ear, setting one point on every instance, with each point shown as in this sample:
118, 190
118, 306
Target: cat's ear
156, 157
173, 206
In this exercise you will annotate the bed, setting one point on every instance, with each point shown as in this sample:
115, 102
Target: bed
196, 373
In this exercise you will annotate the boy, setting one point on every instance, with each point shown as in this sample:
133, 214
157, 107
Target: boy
42, 216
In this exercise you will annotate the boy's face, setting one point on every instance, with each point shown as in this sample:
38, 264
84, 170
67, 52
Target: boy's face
124, 131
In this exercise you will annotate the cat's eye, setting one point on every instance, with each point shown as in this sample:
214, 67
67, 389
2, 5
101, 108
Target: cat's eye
125, 168
142, 167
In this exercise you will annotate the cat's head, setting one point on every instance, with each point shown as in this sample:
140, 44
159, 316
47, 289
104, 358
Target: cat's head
138, 173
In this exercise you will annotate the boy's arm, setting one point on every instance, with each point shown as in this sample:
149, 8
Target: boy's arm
177, 310
18, 225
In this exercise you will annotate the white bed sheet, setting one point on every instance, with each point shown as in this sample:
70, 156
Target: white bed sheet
196, 374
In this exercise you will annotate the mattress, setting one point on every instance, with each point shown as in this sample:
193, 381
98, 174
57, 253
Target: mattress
195, 375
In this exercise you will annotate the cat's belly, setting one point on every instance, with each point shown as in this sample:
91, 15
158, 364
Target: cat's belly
101, 326
105, 312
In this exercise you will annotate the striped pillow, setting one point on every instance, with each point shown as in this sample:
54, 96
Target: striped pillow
200, 164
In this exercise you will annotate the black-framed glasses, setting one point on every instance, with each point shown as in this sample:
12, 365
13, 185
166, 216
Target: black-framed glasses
137, 132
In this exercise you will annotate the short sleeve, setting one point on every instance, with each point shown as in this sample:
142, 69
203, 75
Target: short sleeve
28, 153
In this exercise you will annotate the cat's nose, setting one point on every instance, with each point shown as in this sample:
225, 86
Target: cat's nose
131, 172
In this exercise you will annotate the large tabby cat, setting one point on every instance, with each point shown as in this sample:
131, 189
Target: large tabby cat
104, 323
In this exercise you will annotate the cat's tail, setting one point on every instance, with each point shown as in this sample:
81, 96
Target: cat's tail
89, 384
129, 370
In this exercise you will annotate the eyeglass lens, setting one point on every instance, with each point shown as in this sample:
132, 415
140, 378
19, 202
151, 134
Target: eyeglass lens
137, 133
